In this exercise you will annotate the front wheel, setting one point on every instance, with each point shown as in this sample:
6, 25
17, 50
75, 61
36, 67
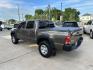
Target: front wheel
91, 34
84, 31
14, 39
45, 49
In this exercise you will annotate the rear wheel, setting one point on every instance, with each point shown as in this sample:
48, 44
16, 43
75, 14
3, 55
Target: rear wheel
91, 34
14, 39
45, 49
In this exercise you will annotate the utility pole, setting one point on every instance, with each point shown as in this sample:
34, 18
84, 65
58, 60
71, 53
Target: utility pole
18, 12
61, 6
22, 16
49, 15
61, 17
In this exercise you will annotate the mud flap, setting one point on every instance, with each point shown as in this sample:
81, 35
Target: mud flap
79, 42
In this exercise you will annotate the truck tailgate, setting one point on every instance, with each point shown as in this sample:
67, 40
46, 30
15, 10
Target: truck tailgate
73, 30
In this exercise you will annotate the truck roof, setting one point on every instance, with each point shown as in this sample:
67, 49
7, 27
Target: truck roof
37, 20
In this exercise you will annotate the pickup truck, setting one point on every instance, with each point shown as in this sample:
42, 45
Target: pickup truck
47, 36
88, 28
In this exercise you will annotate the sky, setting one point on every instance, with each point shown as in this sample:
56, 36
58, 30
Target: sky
9, 8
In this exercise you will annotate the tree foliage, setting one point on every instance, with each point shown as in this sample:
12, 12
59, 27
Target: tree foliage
56, 13
28, 17
11, 21
71, 15
39, 12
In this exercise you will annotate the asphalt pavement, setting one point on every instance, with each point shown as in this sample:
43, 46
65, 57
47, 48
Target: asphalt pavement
25, 56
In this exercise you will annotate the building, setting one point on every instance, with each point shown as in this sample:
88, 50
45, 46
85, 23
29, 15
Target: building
86, 17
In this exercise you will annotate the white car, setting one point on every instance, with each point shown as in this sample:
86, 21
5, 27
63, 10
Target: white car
88, 28
2, 26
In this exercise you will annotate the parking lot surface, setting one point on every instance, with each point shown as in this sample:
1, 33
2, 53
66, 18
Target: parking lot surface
25, 56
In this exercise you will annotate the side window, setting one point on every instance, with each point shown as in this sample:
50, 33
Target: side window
89, 22
43, 24
22, 25
92, 22
30, 24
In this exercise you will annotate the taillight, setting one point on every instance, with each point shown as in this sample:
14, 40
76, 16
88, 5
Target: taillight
67, 40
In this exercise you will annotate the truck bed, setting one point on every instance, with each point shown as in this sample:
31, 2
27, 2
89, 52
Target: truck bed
66, 29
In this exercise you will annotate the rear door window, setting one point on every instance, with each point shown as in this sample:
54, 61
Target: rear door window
30, 25
22, 25
45, 24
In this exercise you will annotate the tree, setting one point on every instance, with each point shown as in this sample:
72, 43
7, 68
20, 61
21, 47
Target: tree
28, 17
11, 21
71, 15
54, 13
39, 12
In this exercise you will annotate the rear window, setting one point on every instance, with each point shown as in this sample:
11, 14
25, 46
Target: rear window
30, 24
46, 24
70, 24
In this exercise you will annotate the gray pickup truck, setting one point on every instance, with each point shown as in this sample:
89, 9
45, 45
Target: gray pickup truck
47, 36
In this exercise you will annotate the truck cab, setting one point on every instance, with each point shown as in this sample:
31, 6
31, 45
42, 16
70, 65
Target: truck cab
28, 30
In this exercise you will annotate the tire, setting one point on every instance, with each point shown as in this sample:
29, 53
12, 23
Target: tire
45, 49
14, 39
84, 31
79, 42
91, 34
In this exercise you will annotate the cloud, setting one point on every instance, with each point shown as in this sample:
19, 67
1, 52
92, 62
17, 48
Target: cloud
85, 4
70, 1
57, 3
82, 6
7, 5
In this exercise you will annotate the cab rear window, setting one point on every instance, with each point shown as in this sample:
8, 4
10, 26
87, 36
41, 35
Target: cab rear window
70, 24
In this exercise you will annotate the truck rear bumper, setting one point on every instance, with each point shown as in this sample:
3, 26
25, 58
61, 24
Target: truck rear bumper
73, 46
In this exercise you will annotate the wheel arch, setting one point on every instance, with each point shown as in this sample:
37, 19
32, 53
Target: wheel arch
42, 38
45, 38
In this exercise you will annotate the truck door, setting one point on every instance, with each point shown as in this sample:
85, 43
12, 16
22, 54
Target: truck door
30, 31
21, 31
